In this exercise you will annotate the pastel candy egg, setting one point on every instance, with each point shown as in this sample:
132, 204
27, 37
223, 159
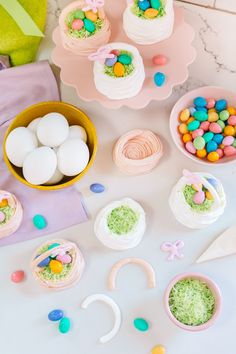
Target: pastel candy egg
190, 148
208, 136
184, 115
229, 151
221, 123
158, 349
201, 116
187, 137
205, 125
209, 196
141, 324
229, 130
200, 101
155, 4
97, 188
224, 115
204, 109
110, 61
116, 52
218, 138
232, 120
124, 59
231, 110
55, 315
159, 79
201, 153
17, 276
213, 156
193, 125
228, 140
53, 245
199, 143
213, 117
211, 146
39, 222
197, 132
192, 110
79, 14
144, 5
191, 119
215, 128
213, 182
89, 25
151, 13
56, 266
220, 152
183, 129
119, 69
199, 197
45, 262
64, 325
64, 259
159, 59
210, 103
77, 24
197, 187
221, 105
90, 15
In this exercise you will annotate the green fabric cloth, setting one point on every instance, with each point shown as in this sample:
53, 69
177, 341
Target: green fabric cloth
20, 48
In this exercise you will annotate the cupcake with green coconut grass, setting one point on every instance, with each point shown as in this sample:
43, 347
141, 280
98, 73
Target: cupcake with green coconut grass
148, 21
121, 224
84, 26
118, 70
197, 200
58, 264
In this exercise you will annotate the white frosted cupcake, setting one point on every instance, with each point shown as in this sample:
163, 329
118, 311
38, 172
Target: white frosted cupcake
197, 200
148, 21
58, 264
121, 224
11, 214
118, 71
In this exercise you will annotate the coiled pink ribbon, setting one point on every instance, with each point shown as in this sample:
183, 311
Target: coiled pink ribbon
93, 5
173, 249
101, 54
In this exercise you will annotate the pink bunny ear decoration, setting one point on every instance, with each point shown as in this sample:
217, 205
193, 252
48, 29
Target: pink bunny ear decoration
93, 5
101, 54
193, 179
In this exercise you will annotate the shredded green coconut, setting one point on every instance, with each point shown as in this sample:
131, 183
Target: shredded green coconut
188, 195
122, 220
108, 70
82, 33
8, 211
43, 249
47, 274
192, 302
140, 13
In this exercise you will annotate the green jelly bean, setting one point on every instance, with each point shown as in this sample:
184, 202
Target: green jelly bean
53, 245
124, 59
155, 4
208, 136
234, 143
89, 25
79, 14
224, 115
195, 124
221, 124
141, 324
199, 143
39, 222
64, 325
201, 116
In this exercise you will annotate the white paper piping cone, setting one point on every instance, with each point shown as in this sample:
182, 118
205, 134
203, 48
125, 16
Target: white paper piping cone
224, 245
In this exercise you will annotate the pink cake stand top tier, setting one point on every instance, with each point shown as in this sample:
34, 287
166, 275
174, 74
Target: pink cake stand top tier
77, 71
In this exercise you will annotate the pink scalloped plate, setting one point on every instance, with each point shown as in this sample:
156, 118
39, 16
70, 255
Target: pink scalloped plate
77, 71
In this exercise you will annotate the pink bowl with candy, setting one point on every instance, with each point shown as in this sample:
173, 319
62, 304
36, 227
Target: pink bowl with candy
203, 125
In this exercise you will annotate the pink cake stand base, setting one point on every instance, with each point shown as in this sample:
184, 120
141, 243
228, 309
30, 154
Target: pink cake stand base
77, 71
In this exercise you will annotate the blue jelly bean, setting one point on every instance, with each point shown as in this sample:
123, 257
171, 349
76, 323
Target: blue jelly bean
45, 262
204, 109
39, 222
97, 188
195, 124
111, 61
208, 136
144, 5
211, 146
55, 315
201, 116
218, 138
159, 79
192, 110
200, 102
221, 105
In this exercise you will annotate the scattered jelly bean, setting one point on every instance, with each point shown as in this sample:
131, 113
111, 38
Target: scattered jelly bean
200, 102
208, 136
124, 59
39, 222
209, 196
195, 124
199, 143
197, 132
45, 262
229, 130
119, 69
155, 4
141, 324
159, 79
144, 5
213, 156
229, 151
199, 197
211, 146
213, 117
221, 105
97, 188
211, 103
18, 276
53, 245
190, 148
110, 61
2, 216
224, 115
192, 110
201, 153
205, 125
55, 315
184, 115
77, 24
79, 14
201, 116
56, 266
158, 349
90, 15
151, 13
64, 325
160, 60
89, 25
187, 137
232, 120
228, 140
215, 128
218, 138
64, 258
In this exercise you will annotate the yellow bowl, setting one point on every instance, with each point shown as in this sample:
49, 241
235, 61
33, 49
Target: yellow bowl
74, 116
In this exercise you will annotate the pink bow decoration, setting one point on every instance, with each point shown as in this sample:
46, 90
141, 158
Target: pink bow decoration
173, 249
101, 54
193, 179
93, 5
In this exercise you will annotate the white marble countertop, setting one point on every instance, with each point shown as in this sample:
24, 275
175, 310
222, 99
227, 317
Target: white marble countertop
24, 328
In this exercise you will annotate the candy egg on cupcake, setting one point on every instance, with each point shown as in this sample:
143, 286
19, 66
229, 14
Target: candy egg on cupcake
57, 264
11, 214
197, 200
148, 21
118, 70
84, 26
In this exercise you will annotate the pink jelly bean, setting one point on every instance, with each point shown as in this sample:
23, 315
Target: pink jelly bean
215, 128
210, 103
77, 24
205, 125
228, 140
220, 153
199, 197
229, 151
197, 132
232, 120
64, 258
18, 276
190, 147
159, 60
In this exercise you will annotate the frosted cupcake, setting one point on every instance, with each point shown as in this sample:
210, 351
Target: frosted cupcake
58, 264
121, 224
84, 26
11, 214
197, 200
118, 70
148, 21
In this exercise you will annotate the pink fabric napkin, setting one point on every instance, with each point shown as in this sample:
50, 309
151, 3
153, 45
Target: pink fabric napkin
21, 87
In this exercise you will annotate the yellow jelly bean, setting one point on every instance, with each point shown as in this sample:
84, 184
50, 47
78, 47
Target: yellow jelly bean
90, 15
119, 69
229, 130
151, 13
211, 110
158, 349
201, 153
190, 120
209, 196
183, 129
213, 117
186, 138
195, 186
3, 203
56, 266
232, 111
213, 156
184, 115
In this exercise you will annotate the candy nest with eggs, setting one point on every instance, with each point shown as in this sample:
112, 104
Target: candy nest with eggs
11, 214
83, 24
200, 199
148, 9
192, 302
121, 65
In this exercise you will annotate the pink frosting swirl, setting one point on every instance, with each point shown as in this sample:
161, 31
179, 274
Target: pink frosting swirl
137, 152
